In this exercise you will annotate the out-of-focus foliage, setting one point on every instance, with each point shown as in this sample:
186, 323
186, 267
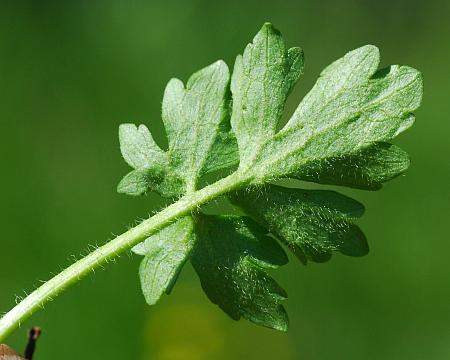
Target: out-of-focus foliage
71, 72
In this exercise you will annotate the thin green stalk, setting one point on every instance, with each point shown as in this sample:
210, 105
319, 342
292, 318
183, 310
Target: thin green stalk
77, 271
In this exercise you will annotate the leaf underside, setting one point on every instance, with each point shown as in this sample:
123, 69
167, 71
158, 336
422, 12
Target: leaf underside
164, 255
230, 259
313, 222
338, 135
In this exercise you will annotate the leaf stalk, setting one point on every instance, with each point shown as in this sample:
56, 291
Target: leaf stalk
111, 250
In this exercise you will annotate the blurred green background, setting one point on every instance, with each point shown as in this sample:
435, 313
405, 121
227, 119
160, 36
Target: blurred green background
72, 71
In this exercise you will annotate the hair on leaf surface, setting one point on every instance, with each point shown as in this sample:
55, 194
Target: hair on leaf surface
226, 139
330, 139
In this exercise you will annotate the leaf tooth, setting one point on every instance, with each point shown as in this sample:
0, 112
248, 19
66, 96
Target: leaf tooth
313, 223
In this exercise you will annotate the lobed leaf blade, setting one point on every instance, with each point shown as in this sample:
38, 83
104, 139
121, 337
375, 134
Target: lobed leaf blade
313, 223
135, 183
195, 118
360, 114
338, 135
139, 149
365, 169
262, 79
165, 254
230, 258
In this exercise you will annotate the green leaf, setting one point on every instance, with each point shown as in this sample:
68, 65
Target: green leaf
165, 254
313, 223
139, 149
195, 118
151, 164
142, 153
366, 169
262, 79
338, 135
231, 257
350, 108
135, 183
